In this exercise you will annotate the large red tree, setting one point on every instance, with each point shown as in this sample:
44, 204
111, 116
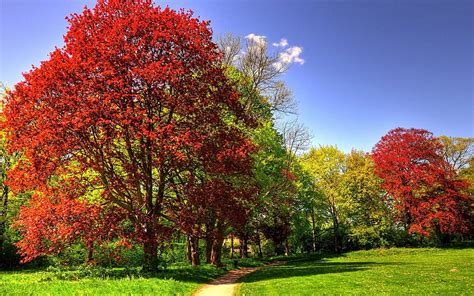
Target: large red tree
414, 172
137, 98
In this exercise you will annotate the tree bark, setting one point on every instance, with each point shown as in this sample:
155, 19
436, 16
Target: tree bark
150, 246
336, 234
313, 226
232, 247
216, 254
188, 249
279, 250
209, 244
259, 245
244, 248
210, 226
194, 250
3, 216
90, 253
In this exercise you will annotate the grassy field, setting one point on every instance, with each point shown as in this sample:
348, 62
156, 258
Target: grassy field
182, 282
177, 280
389, 272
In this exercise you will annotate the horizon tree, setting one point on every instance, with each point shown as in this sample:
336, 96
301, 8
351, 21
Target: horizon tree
137, 95
424, 186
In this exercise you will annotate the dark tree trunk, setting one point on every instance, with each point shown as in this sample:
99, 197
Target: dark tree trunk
188, 249
336, 236
210, 226
90, 253
279, 249
244, 248
209, 244
335, 224
194, 250
232, 247
150, 246
313, 226
3, 216
216, 253
259, 245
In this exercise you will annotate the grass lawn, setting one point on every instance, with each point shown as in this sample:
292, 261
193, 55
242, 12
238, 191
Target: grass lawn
177, 280
182, 282
390, 271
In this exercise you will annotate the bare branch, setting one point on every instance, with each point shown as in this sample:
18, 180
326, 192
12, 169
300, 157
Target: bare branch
262, 69
296, 137
230, 46
281, 99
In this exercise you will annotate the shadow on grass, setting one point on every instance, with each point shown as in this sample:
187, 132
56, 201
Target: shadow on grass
458, 245
308, 267
178, 272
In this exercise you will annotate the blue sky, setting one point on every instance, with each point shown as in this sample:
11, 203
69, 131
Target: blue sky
369, 65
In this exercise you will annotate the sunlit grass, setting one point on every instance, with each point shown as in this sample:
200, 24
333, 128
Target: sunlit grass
390, 272
178, 281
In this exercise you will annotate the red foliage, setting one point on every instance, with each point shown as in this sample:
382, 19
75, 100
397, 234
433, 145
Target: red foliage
417, 176
53, 221
138, 95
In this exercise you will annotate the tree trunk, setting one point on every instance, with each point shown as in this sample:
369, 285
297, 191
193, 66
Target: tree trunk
194, 250
90, 253
244, 248
259, 245
216, 254
232, 247
279, 250
3, 216
313, 226
287, 247
150, 247
336, 234
188, 249
209, 244
210, 226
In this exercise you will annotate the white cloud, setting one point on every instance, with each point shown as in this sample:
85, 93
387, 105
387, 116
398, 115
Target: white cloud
258, 39
289, 56
283, 43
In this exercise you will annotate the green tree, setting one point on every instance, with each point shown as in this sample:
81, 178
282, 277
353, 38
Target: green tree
369, 216
326, 165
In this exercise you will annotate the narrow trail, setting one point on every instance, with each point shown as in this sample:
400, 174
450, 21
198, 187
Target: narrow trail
225, 285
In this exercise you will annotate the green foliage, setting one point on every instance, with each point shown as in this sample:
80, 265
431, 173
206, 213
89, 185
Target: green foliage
369, 215
326, 165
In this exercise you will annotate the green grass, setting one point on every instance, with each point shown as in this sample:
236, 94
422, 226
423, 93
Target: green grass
177, 280
386, 272
391, 271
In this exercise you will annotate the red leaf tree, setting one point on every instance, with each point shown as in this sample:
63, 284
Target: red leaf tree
138, 97
52, 221
428, 196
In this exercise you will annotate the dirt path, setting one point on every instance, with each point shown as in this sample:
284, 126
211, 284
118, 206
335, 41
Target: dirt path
226, 284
